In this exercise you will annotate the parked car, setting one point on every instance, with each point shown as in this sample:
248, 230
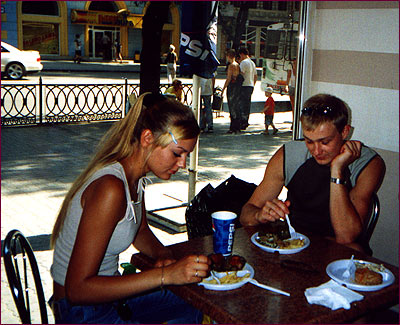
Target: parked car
16, 63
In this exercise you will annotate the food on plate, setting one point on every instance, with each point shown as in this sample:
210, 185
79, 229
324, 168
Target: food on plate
272, 240
219, 263
229, 278
365, 276
278, 229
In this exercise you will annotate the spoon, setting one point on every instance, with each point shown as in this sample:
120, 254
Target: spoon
346, 273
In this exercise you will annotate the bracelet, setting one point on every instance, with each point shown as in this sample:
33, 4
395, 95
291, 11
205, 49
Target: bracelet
338, 181
162, 277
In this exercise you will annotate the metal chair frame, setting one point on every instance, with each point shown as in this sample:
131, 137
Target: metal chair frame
16, 245
373, 218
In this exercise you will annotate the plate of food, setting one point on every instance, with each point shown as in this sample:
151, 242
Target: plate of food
271, 243
228, 273
363, 275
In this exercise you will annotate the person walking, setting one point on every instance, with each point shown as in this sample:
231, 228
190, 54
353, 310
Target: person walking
118, 54
232, 85
106, 46
249, 72
206, 117
171, 60
269, 110
78, 49
104, 213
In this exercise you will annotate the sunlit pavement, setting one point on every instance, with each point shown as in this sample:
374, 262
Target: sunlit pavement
40, 163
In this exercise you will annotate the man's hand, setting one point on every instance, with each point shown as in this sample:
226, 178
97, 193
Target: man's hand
272, 211
350, 151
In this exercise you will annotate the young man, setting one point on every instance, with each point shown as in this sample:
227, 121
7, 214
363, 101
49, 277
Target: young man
330, 179
249, 72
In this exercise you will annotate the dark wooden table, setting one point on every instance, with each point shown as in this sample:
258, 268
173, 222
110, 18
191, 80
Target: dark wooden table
251, 304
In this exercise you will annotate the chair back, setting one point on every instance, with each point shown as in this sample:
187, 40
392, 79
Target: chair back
373, 218
19, 261
370, 226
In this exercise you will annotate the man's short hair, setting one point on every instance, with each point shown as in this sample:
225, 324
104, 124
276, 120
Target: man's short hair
231, 53
323, 108
244, 50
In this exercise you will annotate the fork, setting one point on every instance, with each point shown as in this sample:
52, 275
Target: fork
215, 277
292, 231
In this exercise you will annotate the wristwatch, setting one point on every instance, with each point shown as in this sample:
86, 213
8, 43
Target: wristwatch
338, 181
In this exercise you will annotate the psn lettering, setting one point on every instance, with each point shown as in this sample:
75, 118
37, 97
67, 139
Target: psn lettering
195, 47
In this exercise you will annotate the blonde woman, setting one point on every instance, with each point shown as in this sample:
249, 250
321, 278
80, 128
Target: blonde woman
104, 213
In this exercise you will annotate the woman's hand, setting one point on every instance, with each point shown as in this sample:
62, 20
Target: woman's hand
190, 269
272, 211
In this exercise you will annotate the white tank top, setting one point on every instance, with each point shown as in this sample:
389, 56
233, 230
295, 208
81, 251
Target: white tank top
122, 237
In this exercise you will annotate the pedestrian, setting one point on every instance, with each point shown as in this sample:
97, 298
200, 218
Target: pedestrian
106, 45
104, 213
206, 115
249, 72
78, 49
118, 54
291, 84
233, 85
269, 109
171, 60
176, 90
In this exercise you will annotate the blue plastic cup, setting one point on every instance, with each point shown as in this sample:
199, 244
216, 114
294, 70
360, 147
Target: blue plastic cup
223, 223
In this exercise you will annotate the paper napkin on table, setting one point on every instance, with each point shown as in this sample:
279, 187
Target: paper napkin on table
332, 295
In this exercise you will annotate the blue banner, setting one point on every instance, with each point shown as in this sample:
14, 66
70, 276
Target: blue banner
199, 38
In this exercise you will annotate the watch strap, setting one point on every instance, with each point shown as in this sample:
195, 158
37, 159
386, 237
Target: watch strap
338, 180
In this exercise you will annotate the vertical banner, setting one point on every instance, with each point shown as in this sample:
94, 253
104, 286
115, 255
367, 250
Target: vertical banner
197, 58
198, 43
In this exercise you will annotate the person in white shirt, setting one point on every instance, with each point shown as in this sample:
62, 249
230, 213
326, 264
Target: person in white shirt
206, 118
249, 72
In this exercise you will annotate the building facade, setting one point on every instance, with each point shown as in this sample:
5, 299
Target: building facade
51, 26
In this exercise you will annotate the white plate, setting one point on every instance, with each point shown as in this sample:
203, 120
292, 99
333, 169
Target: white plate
336, 269
282, 250
231, 286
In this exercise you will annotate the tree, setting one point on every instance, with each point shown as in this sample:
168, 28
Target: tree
150, 61
234, 27
241, 20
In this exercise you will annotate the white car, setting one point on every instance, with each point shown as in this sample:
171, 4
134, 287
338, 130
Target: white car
16, 63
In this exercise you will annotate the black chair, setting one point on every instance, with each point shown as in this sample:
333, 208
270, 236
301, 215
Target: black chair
18, 256
370, 227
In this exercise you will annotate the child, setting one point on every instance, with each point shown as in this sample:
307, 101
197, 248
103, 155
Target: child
268, 110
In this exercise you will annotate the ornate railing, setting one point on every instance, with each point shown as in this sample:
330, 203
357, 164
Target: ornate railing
63, 103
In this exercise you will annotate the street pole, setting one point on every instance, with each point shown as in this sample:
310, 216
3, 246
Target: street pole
194, 156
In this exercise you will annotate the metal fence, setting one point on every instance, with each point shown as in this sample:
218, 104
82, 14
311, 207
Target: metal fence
41, 103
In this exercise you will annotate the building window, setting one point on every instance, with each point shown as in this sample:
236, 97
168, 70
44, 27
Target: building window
108, 6
47, 8
42, 37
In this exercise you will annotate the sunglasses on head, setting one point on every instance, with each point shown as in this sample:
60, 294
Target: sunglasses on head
319, 110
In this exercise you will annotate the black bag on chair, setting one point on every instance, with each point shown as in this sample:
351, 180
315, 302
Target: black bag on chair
230, 195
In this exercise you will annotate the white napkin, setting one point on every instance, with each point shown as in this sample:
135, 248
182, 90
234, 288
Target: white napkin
332, 295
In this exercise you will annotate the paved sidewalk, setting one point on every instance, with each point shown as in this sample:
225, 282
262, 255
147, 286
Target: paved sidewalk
40, 163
